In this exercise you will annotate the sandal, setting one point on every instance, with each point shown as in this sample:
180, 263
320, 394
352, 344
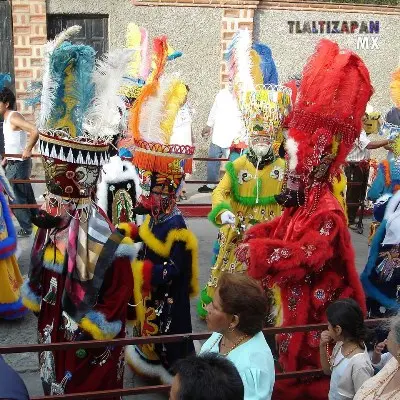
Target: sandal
183, 196
23, 233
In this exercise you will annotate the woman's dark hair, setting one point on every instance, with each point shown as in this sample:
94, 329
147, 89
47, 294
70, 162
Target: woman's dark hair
347, 314
7, 96
243, 296
208, 376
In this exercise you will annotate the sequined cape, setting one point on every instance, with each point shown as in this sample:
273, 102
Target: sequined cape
310, 260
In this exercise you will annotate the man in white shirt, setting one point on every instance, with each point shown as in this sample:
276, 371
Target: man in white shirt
392, 117
357, 173
16, 130
225, 124
182, 133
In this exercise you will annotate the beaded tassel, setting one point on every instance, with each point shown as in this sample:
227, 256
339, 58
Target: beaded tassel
51, 295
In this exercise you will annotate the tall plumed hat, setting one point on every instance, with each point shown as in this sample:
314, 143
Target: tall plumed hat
140, 65
80, 113
140, 69
293, 85
327, 117
252, 71
151, 126
137, 39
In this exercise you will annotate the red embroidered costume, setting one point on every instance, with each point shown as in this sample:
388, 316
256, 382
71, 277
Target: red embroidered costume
80, 278
305, 256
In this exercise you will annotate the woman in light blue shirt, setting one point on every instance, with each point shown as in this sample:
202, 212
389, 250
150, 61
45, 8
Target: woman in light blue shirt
236, 316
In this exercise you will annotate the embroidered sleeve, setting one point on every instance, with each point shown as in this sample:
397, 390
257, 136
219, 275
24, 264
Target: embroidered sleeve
107, 318
326, 227
30, 298
167, 271
278, 254
221, 200
261, 230
285, 259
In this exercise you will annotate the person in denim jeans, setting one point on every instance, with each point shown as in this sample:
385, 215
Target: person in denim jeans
15, 130
23, 193
225, 124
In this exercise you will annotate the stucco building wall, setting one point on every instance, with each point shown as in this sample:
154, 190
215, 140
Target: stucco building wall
291, 50
201, 31
194, 31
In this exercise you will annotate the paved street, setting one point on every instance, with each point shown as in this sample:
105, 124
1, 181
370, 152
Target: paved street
24, 331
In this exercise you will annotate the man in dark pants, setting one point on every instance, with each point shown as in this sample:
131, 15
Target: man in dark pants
357, 169
15, 131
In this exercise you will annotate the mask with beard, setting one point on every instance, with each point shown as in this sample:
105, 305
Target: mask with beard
45, 220
293, 195
155, 204
260, 145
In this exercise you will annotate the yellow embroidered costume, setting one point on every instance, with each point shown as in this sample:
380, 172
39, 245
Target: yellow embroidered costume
246, 194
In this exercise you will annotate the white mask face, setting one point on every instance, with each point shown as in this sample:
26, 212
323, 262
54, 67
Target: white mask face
260, 145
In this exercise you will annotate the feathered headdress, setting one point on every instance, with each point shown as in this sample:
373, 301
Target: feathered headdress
293, 86
153, 117
80, 113
161, 162
327, 117
266, 64
395, 87
252, 72
137, 39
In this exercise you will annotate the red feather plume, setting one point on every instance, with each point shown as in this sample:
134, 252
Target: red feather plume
334, 91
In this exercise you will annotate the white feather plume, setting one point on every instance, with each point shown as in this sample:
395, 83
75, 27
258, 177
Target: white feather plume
153, 110
105, 115
292, 148
238, 58
49, 88
244, 61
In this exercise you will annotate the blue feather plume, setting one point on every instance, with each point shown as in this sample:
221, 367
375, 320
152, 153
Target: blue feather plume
4, 78
82, 60
34, 91
268, 67
84, 88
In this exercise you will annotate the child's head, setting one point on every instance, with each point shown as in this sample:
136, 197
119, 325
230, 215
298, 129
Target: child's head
346, 321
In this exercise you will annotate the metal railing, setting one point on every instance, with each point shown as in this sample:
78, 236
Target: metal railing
190, 210
37, 348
